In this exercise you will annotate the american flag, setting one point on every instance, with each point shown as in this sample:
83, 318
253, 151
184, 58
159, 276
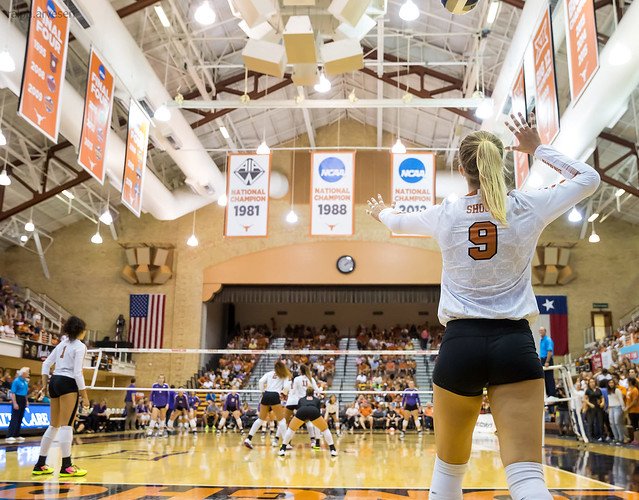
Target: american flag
146, 325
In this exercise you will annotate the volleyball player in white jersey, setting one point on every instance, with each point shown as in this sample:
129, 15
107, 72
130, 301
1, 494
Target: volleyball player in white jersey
271, 384
65, 387
487, 239
298, 391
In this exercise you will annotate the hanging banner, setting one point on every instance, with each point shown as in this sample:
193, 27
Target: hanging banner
137, 143
332, 193
581, 42
412, 182
248, 182
98, 104
518, 98
44, 67
547, 103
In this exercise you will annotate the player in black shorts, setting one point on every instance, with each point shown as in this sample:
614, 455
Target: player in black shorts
309, 410
180, 408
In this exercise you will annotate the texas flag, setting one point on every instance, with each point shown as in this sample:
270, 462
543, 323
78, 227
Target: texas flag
553, 315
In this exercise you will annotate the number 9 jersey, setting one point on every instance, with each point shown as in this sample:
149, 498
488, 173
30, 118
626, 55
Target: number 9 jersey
487, 266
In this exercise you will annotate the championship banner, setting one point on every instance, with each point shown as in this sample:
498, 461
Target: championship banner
248, 183
137, 143
332, 193
98, 104
518, 97
413, 182
44, 67
547, 103
581, 43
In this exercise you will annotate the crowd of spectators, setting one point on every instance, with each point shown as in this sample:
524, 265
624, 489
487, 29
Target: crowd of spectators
19, 319
301, 337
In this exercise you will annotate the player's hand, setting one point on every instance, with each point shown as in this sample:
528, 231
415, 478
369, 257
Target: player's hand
375, 206
528, 139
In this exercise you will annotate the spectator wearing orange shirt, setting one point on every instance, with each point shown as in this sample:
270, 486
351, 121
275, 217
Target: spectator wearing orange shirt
632, 407
366, 415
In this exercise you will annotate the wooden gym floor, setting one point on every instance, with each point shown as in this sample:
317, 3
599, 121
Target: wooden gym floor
128, 466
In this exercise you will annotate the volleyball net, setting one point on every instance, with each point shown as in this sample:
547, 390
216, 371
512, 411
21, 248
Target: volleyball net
386, 373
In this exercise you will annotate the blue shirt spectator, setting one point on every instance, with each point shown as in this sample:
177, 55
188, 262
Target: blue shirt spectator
130, 394
546, 345
20, 386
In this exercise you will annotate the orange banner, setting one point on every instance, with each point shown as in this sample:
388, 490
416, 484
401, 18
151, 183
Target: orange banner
44, 67
98, 104
137, 143
518, 98
583, 52
547, 105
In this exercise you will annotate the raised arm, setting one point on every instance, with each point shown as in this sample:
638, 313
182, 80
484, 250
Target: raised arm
423, 223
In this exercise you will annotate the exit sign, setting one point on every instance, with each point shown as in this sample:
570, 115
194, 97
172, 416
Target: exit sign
600, 305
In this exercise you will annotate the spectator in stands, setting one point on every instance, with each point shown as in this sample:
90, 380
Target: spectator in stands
392, 419
615, 411
129, 406
428, 417
366, 415
211, 415
632, 407
379, 416
143, 413
564, 415
594, 412
19, 402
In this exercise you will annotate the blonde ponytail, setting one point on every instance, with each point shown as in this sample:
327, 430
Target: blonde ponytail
491, 179
481, 157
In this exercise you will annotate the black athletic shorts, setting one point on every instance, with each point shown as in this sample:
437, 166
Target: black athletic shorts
59, 385
476, 353
270, 398
292, 407
308, 413
180, 408
160, 407
411, 407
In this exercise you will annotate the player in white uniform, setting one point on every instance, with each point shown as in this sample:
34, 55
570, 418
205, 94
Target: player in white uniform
272, 385
297, 392
65, 387
487, 240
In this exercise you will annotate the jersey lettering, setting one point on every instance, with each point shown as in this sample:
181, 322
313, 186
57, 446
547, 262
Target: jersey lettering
484, 235
62, 353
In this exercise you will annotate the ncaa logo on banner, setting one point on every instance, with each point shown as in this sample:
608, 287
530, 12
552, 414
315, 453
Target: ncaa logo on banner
51, 10
332, 169
102, 72
249, 171
412, 170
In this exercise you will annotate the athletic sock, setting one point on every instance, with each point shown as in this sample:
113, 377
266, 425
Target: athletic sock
65, 437
45, 444
405, 425
171, 424
222, 423
328, 437
152, 424
256, 425
42, 460
193, 423
526, 481
239, 423
447, 481
281, 427
288, 436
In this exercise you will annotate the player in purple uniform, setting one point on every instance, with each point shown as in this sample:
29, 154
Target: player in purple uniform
180, 407
194, 404
410, 406
159, 402
232, 406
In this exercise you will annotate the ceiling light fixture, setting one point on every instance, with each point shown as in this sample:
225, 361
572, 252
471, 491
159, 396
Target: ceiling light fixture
162, 16
263, 149
193, 241
291, 217
3, 139
68, 194
574, 215
24, 238
398, 148
485, 109
593, 217
96, 239
324, 84
222, 200
204, 14
493, 10
106, 218
29, 226
162, 114
5, 180
594, 237
224, 132
619, 192
7, 64
409, 11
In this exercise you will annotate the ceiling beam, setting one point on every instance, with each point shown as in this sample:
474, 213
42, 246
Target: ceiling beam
135, 7
611, 180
